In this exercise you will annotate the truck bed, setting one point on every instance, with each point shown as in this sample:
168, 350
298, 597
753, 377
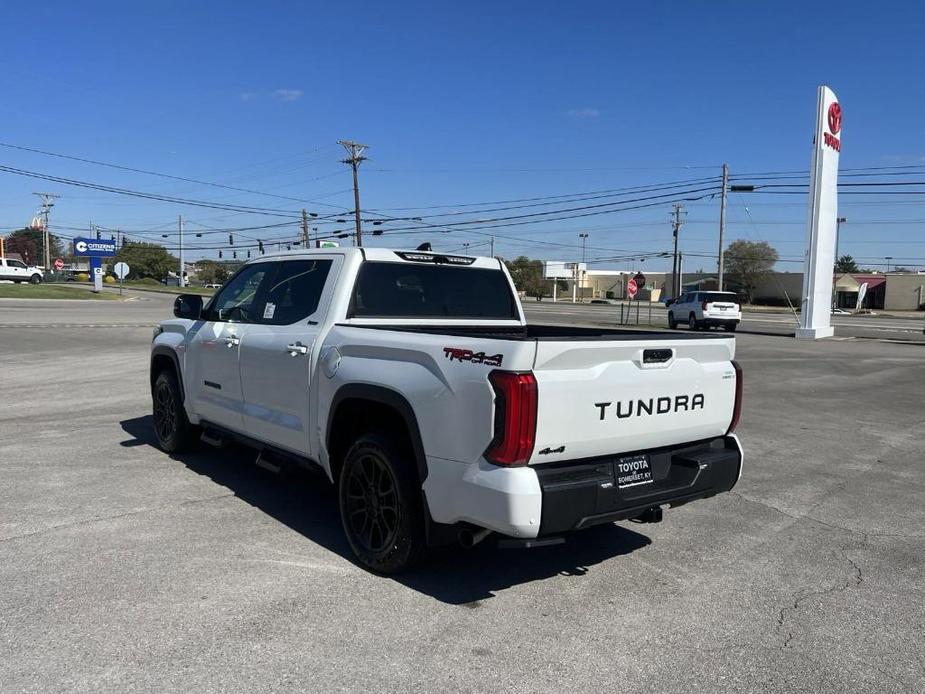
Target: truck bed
550, 333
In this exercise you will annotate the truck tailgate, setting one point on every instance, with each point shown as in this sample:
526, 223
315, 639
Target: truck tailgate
603, 397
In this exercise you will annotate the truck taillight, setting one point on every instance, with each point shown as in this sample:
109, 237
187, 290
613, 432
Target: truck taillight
704, 305
737, 409
515, 417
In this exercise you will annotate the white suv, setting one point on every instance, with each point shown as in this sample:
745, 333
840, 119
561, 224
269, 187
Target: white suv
17, 271
705, 310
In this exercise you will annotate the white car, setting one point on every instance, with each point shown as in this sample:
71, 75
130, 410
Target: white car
17, 271
706, 310
412, 380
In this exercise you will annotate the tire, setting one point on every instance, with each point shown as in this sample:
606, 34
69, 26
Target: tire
730, 328
35, 279
172, 429
672, 323
692, 322
379, 495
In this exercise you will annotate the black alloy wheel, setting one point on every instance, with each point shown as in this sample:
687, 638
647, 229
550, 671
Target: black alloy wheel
692, 322
380, 505
372, 504
171, 426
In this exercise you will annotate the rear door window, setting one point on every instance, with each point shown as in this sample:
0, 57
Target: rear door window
294, 292
412, 290
718, 296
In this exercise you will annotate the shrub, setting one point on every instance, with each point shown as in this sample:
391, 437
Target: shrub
83, 277
109, 279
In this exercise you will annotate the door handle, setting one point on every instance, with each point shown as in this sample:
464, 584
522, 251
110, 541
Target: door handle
232, 341
296, 349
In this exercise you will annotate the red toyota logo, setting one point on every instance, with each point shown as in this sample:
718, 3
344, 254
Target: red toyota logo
834, 117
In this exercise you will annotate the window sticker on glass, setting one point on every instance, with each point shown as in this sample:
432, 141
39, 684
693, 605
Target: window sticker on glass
269, 310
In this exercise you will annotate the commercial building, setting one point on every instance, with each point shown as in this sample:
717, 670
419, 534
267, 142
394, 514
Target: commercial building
897, 291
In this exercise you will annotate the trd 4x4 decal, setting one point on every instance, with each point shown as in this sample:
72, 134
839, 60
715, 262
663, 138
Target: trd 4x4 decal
457, 354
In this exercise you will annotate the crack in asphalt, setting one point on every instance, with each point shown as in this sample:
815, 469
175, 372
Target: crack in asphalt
98, 519
832, 526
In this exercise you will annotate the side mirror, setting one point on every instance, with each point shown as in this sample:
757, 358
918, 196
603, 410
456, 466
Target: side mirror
188, 306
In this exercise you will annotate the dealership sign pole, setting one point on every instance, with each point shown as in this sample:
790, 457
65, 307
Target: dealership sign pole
816, 316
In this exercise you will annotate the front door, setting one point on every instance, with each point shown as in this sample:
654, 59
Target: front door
278, 353
213, 380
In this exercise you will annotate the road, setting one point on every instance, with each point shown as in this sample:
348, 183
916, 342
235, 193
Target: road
866, 326
124, 569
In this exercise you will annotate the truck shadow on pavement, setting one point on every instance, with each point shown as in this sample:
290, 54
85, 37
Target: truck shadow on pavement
307, 504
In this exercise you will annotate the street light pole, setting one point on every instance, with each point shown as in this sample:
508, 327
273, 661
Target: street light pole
579, 272
888, 258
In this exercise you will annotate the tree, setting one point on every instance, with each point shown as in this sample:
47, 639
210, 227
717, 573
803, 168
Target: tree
146, 260
901, 268
749, 262
22, 245
527, 275
212, 272
846, 264
35, 237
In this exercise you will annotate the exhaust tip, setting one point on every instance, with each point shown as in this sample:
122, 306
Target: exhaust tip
470, 537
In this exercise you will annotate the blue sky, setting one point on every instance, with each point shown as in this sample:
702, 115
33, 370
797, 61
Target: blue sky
461, 103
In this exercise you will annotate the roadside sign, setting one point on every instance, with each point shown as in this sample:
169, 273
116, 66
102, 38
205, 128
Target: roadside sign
59, 264
94, 248
121, 270
631, 289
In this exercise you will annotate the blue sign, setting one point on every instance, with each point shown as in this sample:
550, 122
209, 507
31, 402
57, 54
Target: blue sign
94, 248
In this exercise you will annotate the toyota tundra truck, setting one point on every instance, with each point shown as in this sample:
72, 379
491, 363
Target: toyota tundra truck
413, 381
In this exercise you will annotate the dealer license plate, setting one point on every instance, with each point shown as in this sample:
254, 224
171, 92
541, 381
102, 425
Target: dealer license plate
633, 470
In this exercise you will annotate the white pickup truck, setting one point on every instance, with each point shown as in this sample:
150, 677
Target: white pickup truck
17, 271
413, 381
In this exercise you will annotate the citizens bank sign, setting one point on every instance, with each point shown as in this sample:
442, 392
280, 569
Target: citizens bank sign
94, 248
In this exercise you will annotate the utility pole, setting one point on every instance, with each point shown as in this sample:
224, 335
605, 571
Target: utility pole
675, 266
182, 280
48, 201
722, 223
491, 252
304, 228
354, 157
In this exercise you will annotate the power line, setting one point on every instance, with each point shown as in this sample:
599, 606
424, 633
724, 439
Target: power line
156, 173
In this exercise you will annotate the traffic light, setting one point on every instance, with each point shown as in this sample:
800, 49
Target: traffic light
234, 254
248, 254
260, 247
219, 255
230, 240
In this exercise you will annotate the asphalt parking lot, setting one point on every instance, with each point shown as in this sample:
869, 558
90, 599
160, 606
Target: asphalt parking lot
124, 569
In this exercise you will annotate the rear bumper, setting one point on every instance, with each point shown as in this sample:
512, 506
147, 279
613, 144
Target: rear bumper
554, 498
720, 320
583, 493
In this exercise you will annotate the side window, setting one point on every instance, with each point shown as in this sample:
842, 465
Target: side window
16, 263
294, 291
241, 300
